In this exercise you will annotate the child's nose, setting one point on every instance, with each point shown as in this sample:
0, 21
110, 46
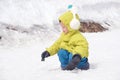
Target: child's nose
64, 28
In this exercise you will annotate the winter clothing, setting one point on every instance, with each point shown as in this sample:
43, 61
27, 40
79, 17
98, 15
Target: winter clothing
73, 63
44, 55
69, 61
72, 47
73, 41
66, 18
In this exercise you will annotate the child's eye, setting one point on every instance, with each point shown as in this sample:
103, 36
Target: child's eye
59, 21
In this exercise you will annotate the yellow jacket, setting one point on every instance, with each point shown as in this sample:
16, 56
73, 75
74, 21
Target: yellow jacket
74, 42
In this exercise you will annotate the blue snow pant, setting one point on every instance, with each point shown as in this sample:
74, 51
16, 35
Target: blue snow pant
65, 57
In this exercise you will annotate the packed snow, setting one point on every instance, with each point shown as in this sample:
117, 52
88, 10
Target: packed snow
28, 27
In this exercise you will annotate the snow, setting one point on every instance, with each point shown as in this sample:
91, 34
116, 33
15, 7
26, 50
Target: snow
28, 12
24, 63
33, 27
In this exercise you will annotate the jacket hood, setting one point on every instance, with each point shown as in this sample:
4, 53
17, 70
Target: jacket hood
66, 18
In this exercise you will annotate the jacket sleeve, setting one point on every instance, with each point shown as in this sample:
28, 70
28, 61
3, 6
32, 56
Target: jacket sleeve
55, 47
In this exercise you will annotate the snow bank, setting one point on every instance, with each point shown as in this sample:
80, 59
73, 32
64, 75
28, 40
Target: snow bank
24, 14
19, 36
28, 12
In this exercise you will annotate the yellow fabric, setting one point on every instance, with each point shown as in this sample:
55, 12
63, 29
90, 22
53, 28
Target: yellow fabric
74, 42
66, 18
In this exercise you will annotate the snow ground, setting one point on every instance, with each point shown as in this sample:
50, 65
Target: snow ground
20, 52
24, 63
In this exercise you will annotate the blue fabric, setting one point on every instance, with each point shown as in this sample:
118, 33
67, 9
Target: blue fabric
65, 57
70, 6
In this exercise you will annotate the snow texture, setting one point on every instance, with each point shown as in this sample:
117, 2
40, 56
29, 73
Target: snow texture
28, 27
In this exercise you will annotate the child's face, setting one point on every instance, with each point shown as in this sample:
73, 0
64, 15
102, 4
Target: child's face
64, 29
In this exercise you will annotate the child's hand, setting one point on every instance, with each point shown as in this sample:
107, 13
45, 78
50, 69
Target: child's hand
44, 55
73, 63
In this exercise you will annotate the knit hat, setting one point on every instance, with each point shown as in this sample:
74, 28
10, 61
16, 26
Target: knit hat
70, 19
